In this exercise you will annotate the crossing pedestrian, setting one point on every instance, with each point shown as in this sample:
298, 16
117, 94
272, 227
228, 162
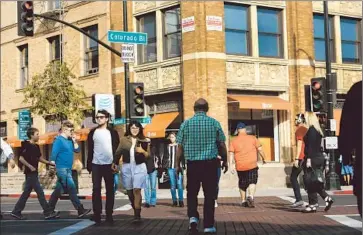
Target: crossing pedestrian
350, 137
6, 153
30, 156
315, 163
151, 179
176, 179
134, 149
244, 149
300, 132
62, 155
102, 142
201, 140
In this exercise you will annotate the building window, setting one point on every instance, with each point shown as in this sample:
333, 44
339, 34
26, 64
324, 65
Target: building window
351, 40
3, 129
23, 66
269, 32
55, 48
172, 34
147, 24
236, 29
319, 37
91, 53
54, 5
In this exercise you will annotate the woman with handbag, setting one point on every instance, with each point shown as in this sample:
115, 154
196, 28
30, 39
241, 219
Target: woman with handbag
134, 149
314, 165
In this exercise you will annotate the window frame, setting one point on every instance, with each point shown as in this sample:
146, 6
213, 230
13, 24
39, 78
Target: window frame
24, 65
141, 48
279, 35
88, 52
4, 125
331, 39
248, 31
357, 44
165, 34
52, 47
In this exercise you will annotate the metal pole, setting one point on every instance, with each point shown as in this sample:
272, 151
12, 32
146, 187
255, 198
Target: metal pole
126, 66
333, 180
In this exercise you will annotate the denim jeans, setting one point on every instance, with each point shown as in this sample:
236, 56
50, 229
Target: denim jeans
219, 172
65, 180
150, 190
295, 184
176, 182
117, 180
32, 182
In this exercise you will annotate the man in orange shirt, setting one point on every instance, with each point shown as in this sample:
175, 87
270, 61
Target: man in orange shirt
300, 132
244, 149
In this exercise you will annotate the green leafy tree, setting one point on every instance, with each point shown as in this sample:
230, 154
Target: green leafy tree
53, 95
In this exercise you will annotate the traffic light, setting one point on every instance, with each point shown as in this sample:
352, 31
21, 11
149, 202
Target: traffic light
137, 102
318, 95
25, 18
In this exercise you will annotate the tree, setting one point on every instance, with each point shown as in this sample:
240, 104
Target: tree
53, 95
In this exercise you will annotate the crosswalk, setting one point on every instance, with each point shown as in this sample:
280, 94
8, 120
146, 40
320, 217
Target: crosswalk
352, 220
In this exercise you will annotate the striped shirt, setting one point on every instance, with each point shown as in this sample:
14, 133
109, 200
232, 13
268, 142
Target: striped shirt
199, 136
172, 149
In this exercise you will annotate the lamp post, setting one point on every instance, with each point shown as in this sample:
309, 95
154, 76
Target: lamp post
333, 180
126, 66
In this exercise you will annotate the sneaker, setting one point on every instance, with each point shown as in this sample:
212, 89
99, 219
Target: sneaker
51, 215
250, 202
244, 204
328, 203
297, 204
210, 230
17, 216
181, 204
175, 204
215, 204
82, 212
193, 224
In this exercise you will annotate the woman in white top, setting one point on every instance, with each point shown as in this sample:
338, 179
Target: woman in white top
134, 149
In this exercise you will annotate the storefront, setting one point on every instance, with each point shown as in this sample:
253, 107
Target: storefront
261, 115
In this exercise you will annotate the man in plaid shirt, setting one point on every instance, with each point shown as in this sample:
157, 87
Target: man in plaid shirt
201, 140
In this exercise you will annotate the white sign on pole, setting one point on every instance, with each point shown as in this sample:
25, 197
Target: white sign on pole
331, 142
214, 23
333, 125
127, 53
188, 24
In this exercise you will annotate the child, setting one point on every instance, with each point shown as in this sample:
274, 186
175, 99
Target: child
30, 156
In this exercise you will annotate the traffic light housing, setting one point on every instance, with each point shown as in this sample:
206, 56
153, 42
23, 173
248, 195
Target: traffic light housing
25, 18
318, 95
137, 101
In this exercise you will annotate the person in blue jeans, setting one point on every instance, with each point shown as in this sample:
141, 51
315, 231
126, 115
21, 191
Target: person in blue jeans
152, 173
176, 180
63, 150
116, 176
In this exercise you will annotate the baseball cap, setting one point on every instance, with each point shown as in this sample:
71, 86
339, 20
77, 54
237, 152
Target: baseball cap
240, 125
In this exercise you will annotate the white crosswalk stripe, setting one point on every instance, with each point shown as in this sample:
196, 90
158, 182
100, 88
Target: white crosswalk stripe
347, 220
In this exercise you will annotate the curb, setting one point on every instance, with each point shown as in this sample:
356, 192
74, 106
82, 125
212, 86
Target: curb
343, 192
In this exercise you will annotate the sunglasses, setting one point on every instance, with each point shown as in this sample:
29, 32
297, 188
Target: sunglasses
100, 117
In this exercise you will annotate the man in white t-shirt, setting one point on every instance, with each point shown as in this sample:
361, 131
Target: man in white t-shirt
102, 144
6, 152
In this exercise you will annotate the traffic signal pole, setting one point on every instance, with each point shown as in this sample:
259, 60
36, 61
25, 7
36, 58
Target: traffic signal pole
333, 180
126, 67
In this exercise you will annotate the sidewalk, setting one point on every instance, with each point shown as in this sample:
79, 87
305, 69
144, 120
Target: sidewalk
165, 193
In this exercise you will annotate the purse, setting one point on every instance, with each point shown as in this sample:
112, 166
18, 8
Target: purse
312, 178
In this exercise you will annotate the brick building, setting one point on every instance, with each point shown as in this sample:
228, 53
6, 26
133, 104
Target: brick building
250, 61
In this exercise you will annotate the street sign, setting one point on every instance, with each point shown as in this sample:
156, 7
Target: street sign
24, 123
331, 142
127, 37
122, 121
333, 125
119, 121
127, 53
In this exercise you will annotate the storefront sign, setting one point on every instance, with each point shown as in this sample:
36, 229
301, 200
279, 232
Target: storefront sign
165, 107
188, 24
214, 23
266, 106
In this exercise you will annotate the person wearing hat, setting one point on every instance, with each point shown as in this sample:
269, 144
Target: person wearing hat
300, 132
244, 150
201, 140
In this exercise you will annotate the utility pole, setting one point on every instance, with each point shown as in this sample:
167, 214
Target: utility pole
126, 66
333, 180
